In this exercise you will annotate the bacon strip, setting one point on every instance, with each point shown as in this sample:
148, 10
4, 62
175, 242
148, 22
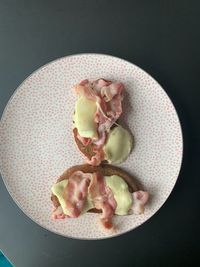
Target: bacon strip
58, 213
97, 158
75, 192
87, 91
98, 84
103, 199
113, 89
140, 198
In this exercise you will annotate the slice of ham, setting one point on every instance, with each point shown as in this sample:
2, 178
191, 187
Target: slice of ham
85, 82
75, 192
58, 213
103, 199
98, 84
140, 198
111, 90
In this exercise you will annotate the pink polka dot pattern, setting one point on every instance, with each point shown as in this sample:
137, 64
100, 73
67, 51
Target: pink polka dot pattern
37, 143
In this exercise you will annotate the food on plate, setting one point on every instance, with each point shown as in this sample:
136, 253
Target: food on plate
97, 187
104, 189
96, 131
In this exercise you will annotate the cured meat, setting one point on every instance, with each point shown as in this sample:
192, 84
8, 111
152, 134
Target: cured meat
75, 192
140, 198
103, 199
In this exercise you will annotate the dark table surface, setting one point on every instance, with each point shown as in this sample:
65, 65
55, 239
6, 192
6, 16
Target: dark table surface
162, 37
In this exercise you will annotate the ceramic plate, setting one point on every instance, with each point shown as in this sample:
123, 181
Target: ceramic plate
37, 143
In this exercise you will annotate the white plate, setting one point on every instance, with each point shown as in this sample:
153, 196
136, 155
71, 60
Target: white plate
37, 143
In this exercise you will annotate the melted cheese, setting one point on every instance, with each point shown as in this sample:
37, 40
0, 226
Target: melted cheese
85, 110
118, 145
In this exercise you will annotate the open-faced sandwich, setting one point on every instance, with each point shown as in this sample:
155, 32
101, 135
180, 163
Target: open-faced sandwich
97, 134
104, 189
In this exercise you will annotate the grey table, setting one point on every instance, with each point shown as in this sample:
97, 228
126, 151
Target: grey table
163, 38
